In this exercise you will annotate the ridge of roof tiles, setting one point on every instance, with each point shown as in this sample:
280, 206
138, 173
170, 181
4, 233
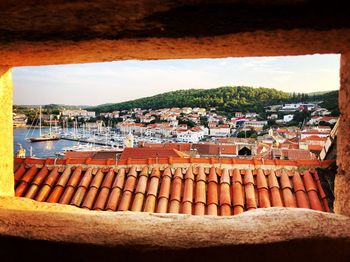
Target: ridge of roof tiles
194, 190
166, 161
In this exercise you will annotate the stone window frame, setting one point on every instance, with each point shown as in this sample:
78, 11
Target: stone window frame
342, 181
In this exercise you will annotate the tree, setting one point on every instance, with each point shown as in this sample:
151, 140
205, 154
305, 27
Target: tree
203, 121
299, 117
247, 134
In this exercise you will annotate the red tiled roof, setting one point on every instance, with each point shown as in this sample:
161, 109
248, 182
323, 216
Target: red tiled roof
315, 148
177, 146
190, 190
294, 154
314, 132
144, 152
92, 154
214, 149
314, 138
328, 118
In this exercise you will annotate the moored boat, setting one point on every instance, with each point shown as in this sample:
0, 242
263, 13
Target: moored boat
44, 137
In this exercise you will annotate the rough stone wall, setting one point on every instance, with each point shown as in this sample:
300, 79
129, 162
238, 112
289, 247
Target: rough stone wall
6, 133
260, 43
342, 180
62, 223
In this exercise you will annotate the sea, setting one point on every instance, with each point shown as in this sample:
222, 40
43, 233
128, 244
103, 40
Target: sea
39, 149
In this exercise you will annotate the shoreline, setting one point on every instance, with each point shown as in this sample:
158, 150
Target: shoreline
36, 127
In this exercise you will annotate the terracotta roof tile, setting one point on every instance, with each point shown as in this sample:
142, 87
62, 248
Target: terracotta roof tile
128, 190
140, 190
212, 188
142, 182
288, 197
276, 199
309, 182
104, 192
200, 196
300, 193
71, 185
82, 188
92, 192
49, 182
23, 183
236, 176
86, 180
311, 189
213, 192
97, 180
238, 198
78, 196
321, 192
40, 177
152, 192
19, 172
29, 175
52, 178
175, 194
249, 190
37, 181
56, 194
164, 192
154, 183
62, 181
115, 196
119, 180
195, 190
188, 192
225, 194
264, 198
108, 180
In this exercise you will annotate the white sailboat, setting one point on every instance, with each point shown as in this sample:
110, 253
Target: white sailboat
44, 137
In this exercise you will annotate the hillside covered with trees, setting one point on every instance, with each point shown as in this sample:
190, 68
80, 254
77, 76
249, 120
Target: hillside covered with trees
226, 99
238, 98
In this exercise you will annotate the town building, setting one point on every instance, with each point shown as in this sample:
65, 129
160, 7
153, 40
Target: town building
256, 125
287, 118
19, 120
80, 113
220, 130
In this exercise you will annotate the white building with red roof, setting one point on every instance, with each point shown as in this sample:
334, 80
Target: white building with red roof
220, 130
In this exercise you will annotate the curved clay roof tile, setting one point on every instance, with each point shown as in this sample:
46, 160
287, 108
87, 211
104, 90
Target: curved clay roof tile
119, 179
212, 175
189, 174
272, 180
285, 181
201, 175
261, 179
62, 181
236, 176
248, 177
108, 180
225, 177
144, 171
86, 180
19, 172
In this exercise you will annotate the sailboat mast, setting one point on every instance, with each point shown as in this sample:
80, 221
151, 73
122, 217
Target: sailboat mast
40, 120
50, 124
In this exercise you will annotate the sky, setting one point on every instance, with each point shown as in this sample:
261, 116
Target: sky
112, 82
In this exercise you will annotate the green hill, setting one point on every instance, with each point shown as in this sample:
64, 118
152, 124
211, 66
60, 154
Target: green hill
238, 98
330, 101
226, 99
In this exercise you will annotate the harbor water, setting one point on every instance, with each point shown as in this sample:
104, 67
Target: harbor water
39, 149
